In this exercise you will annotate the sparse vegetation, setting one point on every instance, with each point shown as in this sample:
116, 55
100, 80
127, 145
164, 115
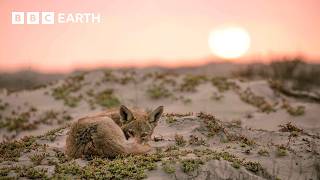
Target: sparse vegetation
3, 105
37, 158
26, 80
281, 151
201, 136
178, 114
131, 167
33, 173
222, 84
180, 141
236, 164
190, 82
279, 86
263, 152
4, 172
66, 90
124, 78
212, 124
294, 111
241, 138
249, 97
215, 126
25, 121
288, 127
109, 76
19, 122
168, 166
158, 92
195, 140
52, 134
295, 71
107, 99
190, 165
10, 151
253, 167
171, 119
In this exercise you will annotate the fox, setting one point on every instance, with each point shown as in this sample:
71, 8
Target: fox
112, 133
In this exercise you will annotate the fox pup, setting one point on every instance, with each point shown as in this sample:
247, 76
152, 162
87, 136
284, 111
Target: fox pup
112, 133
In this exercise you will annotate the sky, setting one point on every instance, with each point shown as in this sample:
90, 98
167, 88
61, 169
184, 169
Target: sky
150, 32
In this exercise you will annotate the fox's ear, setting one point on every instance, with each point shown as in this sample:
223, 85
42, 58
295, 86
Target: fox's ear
125, 114
156, 114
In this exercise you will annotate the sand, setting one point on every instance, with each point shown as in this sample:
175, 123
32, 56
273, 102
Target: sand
300, 160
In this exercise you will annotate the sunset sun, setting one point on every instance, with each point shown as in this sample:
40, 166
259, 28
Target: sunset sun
229, 42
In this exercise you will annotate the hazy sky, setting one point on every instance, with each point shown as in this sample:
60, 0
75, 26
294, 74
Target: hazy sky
144, 32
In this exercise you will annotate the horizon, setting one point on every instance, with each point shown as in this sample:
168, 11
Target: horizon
155, 33
193, 65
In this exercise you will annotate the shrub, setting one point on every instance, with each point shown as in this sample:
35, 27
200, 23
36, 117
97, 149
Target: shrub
180, 141
190, 82
158, 92
107, 99
190, 165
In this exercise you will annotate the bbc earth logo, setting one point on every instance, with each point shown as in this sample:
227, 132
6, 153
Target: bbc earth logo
54, 18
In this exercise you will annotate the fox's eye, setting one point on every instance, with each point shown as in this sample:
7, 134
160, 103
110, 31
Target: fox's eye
128, 133
144, 134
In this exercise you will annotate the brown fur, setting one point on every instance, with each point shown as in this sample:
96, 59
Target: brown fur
109, 134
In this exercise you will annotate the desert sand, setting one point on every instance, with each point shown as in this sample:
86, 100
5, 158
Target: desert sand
213, 128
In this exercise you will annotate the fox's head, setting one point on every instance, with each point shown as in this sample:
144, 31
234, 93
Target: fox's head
137, 124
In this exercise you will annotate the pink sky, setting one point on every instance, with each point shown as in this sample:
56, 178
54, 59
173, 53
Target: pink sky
147, 32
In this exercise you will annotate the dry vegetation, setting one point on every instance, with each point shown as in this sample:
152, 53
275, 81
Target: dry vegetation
297, 73
192, 142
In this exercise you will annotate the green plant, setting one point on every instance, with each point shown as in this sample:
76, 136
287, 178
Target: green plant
37, 158
180, 141
236, 164
168, 167
298, 111
221, 83
294, 111
158, 92
65, 91
68, 168
194, 140
190, 165
33, 173
10, 150
4, 172
52, 134
190, 82
109, 76
258, 101
288, 127
107, 99
212, 124
19, 122
263, 152
281, 151
171, 119
253, 166
3, 106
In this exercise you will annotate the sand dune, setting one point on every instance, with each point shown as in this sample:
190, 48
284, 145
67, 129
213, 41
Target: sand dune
214, 128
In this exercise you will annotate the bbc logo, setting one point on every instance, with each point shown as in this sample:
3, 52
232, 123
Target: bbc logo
32, 18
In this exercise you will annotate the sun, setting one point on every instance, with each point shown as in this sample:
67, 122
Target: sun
229, 42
